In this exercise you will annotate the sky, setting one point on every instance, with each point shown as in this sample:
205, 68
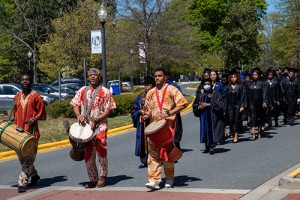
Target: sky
271, 7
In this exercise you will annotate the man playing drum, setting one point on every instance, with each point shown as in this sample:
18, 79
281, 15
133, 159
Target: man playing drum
162, 102
102, 103
29, 108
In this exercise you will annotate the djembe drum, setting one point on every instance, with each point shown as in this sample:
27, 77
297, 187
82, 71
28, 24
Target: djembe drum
79, 137
17, 139
162, 136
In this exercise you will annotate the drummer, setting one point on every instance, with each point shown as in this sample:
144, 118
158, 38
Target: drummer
102, 103
30, 101
162, 102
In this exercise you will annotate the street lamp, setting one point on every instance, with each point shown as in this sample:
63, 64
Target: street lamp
102, 13
131, 81
29, 56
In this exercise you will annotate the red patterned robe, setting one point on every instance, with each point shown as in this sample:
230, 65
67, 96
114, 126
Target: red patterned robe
103, 102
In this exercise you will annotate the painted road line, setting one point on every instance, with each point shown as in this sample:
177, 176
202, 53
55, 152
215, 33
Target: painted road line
293, 174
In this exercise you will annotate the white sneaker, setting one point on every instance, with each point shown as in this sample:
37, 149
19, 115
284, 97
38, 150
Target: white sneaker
151, 185
169, 184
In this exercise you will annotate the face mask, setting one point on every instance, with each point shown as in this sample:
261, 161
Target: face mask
206, 87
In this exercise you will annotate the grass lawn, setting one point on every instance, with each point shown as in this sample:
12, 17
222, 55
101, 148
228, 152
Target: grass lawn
52, 130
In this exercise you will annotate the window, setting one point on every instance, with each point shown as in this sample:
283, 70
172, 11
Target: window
10, 90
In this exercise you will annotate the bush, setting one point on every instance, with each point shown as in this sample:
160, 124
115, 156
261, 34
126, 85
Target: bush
62, 108
124, 104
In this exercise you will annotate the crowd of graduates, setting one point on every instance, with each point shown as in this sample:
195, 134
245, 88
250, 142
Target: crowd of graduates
255, 96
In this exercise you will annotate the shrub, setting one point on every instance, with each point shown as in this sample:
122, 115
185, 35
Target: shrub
62, 108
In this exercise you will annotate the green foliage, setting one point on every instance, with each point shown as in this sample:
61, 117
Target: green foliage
61, 108
64, 109
239, 34
124, 104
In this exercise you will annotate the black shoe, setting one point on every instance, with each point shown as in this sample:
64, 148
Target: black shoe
206, 150
211, 151
34, 180
22, 189
143, 166
276, 123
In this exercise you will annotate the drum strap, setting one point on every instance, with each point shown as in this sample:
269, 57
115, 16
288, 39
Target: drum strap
87, 111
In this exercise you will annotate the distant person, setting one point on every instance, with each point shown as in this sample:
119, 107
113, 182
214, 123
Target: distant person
139, 123
291, 94
29, 108
257, 103
273, 95
178, 120
99, 102
235, 104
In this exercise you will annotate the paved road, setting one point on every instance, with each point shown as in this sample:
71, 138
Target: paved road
241, 166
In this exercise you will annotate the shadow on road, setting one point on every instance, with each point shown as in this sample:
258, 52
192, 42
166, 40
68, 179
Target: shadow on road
112, 180
221, 150
183, 180
186, 150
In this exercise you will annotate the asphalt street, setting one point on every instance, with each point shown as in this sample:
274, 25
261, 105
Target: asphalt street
242, 166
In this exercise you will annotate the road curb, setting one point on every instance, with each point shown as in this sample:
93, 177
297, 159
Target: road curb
291, 181
189, 88
66, 143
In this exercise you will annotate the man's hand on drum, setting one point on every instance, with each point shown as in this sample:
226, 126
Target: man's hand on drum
81, 118
162, 115
146, 115
30, 121
93, 120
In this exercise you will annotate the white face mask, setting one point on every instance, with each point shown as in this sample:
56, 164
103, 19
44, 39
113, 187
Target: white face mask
206, 87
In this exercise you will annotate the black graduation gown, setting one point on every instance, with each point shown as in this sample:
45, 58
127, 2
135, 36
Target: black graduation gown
291, 92
256, 98
235, 99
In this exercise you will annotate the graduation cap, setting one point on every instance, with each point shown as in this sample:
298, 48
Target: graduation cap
257, 69
275, 68
206, 80
149, 80
206, 70
225, 75
291, 69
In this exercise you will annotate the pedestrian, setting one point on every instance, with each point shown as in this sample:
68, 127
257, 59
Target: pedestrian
162, 102
139, 123
178, 120
273, 96
235, 104
218, 107
99, 102
257, 103
291, 94
28, 110
202, 109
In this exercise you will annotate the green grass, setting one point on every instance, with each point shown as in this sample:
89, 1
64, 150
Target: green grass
52, 130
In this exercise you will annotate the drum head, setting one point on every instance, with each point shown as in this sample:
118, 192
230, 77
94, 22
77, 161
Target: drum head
155, 126
29, 146
80, 133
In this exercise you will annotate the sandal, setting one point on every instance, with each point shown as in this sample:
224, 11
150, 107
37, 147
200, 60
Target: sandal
253, 137
90, 184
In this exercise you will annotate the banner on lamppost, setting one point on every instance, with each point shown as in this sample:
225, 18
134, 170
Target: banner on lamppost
96, 43
142, 54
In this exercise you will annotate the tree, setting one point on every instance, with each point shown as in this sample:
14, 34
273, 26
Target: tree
27, 25
239, 35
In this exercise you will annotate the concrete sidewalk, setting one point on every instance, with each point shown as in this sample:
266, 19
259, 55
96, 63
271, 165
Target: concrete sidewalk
277, 188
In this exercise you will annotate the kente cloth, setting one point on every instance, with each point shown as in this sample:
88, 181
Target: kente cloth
98, 145
28, 108
172, 99
104, 102
155, 164
28, 169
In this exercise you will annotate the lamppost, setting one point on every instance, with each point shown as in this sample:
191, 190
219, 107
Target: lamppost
131, 81
102, 13
29, 56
